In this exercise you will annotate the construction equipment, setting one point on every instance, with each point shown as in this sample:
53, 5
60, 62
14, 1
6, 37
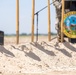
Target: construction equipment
70, 20
67, 25
1, 38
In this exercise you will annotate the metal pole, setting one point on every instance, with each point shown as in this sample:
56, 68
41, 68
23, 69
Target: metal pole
62, 21
33, 10
17, 21
44, 8
49, 35
37, 28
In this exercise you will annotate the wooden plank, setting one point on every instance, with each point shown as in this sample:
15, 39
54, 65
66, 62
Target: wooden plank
62, 21
33, 11
17, 21
49, 22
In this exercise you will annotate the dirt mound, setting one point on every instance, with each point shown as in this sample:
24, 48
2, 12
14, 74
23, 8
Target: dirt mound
41, 57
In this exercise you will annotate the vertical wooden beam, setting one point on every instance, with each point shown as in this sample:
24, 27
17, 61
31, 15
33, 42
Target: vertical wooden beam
49, 22
33, 11
17, 21
62, 20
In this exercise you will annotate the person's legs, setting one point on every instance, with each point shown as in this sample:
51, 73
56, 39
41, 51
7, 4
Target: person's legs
58, 6
56, 23
57, 3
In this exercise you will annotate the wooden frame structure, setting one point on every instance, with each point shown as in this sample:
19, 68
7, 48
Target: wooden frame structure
17, 21
33, 12
49, 22
62, 21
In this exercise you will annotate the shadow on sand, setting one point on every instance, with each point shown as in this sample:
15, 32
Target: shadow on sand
51, 53
65, 52
69, 46
29, 54
6, 52
32, 55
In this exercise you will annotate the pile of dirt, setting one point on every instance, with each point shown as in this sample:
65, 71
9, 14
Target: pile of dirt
38, 57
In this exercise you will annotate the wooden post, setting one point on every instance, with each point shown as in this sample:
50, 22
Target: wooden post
62, 21
33, 11
49, 32
17, 21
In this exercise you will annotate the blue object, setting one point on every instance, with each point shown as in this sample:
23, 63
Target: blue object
70, 22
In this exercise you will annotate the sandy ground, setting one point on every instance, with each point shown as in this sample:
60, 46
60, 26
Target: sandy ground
38, 58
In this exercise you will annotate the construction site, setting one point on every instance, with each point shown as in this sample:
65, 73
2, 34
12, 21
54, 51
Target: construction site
42, 55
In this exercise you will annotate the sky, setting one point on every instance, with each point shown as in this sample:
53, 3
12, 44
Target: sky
8, 16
